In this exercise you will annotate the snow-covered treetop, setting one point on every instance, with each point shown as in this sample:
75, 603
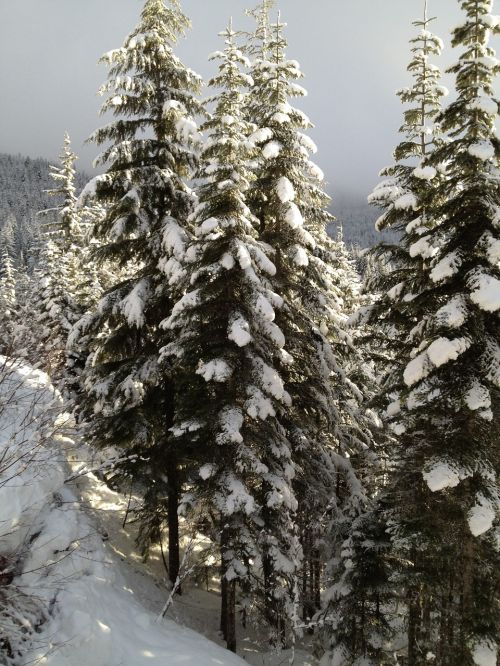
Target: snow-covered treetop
424, 95
150, 86
259, 42
69, 217
400, 194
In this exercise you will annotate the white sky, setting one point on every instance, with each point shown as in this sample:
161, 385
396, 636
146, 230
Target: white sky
354, 54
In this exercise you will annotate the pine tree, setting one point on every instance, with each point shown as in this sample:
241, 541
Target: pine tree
8, 302
361, 611
324, 422
231, 399
54, 297
151, 156
441, 495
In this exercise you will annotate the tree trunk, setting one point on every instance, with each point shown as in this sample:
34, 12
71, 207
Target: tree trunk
173, 522
228, 597
174, 489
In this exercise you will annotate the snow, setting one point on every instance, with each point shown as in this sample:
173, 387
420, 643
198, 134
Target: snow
217, 370
484, 654
264, 308
88, 613
481, 517
293, 216
443, 350
439, 352
239, 331
446, 268
417, 369
261, 135
244, 258
271, 150
206, 471
478, 397
284, 190
257, 405
425, 173
484, 104
300, 257
453, 314
487, 293
482, 151
227, 261
423, 248
406, 202
231, 421
132, 305
280, 118
441, 476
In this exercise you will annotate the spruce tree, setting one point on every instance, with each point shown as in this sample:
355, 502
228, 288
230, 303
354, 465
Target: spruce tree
151, 155
231, 398
8, 303
361, 611
441, 496
324, 422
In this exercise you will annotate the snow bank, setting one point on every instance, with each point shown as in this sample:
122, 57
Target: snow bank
92, 616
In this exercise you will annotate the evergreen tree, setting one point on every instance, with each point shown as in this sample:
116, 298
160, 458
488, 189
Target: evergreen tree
440, 499
54, 297
8, 302
361, 611
151, 156
449, 408
231, 398
324, 422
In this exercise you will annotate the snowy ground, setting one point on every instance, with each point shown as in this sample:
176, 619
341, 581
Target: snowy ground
79, 581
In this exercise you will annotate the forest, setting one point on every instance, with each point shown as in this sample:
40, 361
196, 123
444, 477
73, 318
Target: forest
233, 428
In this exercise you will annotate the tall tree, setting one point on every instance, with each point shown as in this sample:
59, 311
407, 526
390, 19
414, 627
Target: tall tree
361, 612
324, 422
147, 201
231, 398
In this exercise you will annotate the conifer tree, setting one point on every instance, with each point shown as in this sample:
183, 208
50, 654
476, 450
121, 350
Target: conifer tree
324, 422
151, 156
8, 302
231, 398
54, 297
449, 408
361, 609
439, 504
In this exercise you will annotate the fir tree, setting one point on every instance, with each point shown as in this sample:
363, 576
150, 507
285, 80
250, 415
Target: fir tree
361, 611
231, 398
8, 302
449, 409
440, 500
59, 272
324, 422
151, 156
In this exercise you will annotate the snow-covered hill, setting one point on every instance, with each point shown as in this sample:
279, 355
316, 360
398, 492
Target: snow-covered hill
64, 597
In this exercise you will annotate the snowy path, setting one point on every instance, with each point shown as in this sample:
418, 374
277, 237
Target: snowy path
67, 574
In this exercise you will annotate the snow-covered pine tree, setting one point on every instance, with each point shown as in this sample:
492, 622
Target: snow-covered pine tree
53, 300
361, 604
151, 156
8, 302
450, 406
231, 398
323, 423
442, 493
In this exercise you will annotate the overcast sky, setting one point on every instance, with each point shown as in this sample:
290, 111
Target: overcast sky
354, 54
